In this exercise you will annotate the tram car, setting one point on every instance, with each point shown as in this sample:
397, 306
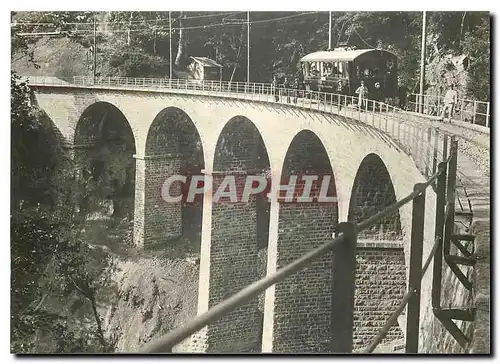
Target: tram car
322, 70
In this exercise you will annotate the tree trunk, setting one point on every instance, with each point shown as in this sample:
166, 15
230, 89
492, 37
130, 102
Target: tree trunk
461, 30
98, 322
120, 208
154, 43
180, 46
235, 65
232, 74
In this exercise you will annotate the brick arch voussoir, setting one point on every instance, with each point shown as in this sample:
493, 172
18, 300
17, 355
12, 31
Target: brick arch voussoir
79, 135
373, 191
307, 155
240, 147
174, 131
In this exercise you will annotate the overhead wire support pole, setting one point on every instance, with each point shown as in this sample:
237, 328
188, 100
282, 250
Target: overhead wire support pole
330, 31
422, 64
170, 44
248, 47
95, 51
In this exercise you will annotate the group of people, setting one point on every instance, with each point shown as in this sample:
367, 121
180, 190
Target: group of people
294, 85
375, 95
450, 100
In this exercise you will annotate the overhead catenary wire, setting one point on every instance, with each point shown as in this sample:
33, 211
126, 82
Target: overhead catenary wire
360, 37
128, 21
178, 28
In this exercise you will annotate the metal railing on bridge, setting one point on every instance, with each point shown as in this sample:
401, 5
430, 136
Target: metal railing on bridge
416, 140
344, 249
471, 111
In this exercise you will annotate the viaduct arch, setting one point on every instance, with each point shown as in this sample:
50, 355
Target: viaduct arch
103, 148
215, 136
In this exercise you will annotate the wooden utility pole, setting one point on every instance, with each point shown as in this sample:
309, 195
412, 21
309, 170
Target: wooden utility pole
248, 47
330, 32
422, 64
170, 41
95, 50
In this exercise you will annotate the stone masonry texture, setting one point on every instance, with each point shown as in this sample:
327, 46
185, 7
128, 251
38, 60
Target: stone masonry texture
234, 248
380, 286
373, 191
302, 312
171, 148
234, 245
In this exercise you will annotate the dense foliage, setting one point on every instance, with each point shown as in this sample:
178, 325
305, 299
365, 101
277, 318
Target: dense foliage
137, 43
57, 278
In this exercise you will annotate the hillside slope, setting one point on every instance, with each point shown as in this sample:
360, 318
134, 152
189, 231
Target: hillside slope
59, 57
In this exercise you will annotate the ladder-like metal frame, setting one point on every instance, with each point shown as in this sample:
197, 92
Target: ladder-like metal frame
445, 215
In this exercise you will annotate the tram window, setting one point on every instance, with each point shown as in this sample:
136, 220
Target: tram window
343, 69
312, 68
328, 69
325, 68
338, 68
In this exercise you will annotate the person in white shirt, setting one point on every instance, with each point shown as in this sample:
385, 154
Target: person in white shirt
450, 100
362, 92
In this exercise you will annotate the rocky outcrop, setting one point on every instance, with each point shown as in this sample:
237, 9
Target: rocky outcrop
154, 296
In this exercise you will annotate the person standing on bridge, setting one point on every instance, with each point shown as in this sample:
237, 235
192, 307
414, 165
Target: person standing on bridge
450, 100
342, 92
362, 92
378, 94
287, 86
274, 91
402, 94
296, 86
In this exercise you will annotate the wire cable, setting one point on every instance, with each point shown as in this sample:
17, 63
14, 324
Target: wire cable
127, 21
193, 27
360, 37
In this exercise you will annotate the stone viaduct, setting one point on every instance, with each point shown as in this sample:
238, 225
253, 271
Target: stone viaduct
162, 133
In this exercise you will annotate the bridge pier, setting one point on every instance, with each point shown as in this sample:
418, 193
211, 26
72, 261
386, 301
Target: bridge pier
156, 221
230, 258
297, 313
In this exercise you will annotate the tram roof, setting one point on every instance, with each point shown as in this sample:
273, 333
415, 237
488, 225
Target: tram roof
340, 55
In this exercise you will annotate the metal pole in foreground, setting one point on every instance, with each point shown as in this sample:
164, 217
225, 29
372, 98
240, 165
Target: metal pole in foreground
422, 64
439, 230
415, 279
344, 276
